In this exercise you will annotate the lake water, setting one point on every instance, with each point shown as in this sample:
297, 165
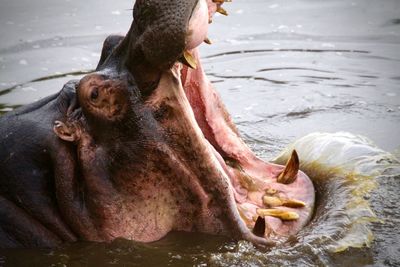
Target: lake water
284, 69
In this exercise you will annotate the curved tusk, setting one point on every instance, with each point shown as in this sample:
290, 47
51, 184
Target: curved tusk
188, 59
222, 11
289, 174
259, 227
207, 41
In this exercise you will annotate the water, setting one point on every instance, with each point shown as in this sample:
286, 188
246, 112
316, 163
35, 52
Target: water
285, 69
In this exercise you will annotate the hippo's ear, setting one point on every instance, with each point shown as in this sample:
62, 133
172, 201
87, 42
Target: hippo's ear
66, 132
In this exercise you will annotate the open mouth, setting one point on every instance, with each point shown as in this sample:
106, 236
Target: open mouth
269, 200
230, 191
282, 196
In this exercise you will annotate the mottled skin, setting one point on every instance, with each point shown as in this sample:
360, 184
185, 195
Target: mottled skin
28, 153
141, 147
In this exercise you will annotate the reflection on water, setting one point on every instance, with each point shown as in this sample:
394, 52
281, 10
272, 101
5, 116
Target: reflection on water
285, 69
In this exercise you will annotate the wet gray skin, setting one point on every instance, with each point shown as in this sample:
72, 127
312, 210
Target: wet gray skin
283, 69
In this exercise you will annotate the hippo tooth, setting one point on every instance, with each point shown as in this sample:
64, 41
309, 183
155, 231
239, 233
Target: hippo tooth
289, 174
284, 215
188, 59
276, 201
207, 41
272, 201
293, 203
271, 191
259, 227
222, 11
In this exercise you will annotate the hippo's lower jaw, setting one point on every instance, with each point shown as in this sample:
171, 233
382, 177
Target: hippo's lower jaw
235, 187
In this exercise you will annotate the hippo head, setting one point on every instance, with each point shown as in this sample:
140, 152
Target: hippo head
156, 150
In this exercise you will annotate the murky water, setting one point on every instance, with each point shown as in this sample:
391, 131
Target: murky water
285, 69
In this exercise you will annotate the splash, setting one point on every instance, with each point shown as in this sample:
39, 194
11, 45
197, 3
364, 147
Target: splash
344, 169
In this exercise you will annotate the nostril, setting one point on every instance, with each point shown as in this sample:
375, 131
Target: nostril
94, 94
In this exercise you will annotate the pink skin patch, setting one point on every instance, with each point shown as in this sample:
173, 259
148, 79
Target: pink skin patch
198, 25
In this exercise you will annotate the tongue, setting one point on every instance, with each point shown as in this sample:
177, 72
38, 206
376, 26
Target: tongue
212, 116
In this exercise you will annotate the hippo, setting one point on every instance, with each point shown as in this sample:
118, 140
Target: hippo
141, 147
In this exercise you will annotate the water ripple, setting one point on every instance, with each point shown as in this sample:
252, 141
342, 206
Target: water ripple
286, 50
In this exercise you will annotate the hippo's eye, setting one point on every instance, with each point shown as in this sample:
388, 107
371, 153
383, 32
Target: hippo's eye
94, 94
